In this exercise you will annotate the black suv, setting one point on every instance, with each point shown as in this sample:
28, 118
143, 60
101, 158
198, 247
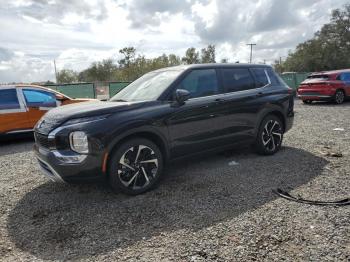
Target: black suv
164, 115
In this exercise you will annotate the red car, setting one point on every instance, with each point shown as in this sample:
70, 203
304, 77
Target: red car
325, 86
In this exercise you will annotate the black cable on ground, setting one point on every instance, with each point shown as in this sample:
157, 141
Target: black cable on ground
286, 195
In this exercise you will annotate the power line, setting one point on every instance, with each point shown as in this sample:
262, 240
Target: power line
251, 52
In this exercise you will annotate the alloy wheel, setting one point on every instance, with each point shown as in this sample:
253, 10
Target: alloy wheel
339, 97
272, 135
137, 167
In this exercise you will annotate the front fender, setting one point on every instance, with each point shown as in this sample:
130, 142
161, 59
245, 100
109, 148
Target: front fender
138, 127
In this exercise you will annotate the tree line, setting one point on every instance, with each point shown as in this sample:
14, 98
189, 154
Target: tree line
329, 49
133, 65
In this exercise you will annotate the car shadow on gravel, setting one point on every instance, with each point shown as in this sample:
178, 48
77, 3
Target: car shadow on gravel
58, 221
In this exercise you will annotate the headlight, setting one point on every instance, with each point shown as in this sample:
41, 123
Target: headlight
79, 142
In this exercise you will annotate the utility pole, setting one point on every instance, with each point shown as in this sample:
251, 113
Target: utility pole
251, 52
54, 62
281, 64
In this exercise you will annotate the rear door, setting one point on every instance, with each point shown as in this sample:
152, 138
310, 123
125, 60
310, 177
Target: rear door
240, 105
38, 103
13, 113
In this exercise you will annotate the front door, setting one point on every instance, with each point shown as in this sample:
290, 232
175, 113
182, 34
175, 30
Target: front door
193, 126
38, 103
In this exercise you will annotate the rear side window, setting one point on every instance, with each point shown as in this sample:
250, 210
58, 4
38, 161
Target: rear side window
273, 77
200, 83
237, 79
9, 99
39, 98
321, 77
260, 77
345, 77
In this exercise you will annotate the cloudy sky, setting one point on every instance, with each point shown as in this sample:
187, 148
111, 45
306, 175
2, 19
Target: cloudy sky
75, 33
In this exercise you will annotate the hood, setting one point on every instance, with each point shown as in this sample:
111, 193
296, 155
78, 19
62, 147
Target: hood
58, 115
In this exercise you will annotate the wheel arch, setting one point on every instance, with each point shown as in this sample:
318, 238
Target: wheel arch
149, 134
276, 111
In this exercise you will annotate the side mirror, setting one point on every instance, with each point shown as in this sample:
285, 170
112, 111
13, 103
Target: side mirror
181, 95
60, 97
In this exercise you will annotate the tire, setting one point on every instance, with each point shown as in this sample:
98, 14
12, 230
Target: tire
307, 101
135, 167
339, 97
270, 135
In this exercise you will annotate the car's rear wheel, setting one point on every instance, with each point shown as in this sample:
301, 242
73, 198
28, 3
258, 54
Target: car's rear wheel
339, 97
307, 101
270, 135
135, 167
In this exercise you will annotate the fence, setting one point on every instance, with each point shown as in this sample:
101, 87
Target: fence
293, 79
98, 90
79, 90
115, 87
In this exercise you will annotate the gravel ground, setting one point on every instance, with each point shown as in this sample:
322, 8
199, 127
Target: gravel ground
204, 210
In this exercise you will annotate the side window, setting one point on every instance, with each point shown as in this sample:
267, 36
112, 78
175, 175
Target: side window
201, 82
345, 77
39, 98
237, 79
260, 76
9, 99
273, 78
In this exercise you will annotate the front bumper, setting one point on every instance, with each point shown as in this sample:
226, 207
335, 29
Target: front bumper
59, 171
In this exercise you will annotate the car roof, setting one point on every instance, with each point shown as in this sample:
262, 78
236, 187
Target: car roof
212, 65
332, 72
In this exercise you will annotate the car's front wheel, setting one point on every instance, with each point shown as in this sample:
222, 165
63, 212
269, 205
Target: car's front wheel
270, 135
135, 167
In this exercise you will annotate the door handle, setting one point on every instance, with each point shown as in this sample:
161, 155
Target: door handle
260, 94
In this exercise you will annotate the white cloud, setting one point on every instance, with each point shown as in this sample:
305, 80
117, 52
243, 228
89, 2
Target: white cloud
35, 32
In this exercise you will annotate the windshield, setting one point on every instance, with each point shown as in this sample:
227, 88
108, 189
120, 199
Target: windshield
148, 87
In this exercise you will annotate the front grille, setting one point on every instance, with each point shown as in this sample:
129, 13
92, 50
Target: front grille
43, 140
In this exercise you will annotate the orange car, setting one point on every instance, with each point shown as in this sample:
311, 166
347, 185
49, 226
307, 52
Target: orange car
21, 106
